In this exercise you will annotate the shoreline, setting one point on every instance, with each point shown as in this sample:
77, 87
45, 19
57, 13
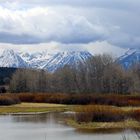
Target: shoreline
32, 109
105, 126
28, 113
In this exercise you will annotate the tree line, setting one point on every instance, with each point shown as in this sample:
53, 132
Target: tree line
100, 74
5, 75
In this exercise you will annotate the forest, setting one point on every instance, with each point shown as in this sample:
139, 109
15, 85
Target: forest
6, 75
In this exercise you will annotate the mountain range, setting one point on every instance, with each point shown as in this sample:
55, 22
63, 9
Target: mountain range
42, 60
51, 62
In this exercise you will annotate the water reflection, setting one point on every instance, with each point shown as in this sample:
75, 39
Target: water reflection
49, 127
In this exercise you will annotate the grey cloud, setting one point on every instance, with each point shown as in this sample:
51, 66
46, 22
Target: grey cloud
110, 4
38, 25
103, 3
18, 39
114, 21
113, 4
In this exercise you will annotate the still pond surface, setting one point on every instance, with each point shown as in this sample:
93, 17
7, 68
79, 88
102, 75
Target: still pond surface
49, 127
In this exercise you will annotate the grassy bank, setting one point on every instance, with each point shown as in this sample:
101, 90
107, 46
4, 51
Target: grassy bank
100, 117
32, 108
105, 126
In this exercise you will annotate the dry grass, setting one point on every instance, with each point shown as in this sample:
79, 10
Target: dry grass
99, 113
8, 100
38, 105
95, 126
100, 117
135, 114
25, 108
79, 99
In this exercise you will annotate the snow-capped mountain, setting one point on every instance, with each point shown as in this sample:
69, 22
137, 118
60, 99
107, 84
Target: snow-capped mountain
36, 60
131, 57
52, 62
11, 59
42, 60
67, 58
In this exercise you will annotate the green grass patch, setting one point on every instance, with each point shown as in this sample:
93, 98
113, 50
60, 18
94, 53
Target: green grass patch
32, 108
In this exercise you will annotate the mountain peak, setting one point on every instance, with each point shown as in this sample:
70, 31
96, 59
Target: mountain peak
131, 51
9, 58
8, 52
72, 58
131, 57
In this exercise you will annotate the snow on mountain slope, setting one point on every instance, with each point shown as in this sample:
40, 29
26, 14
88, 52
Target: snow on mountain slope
52, 62
42, 60
131, 57
36, 60
11, 59
67, 58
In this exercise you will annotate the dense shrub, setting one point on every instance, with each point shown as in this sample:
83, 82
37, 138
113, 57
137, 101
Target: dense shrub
77, 99
26, 97
135, 114
97, 113
8, 100
80, 99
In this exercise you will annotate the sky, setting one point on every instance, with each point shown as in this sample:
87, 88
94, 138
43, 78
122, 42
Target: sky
93, 25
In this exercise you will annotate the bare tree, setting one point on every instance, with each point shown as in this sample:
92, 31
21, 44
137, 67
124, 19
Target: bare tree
100, 74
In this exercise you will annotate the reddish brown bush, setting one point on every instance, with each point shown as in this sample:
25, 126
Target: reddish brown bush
8, 100
98, 113
26, 97
79, 99
135, 114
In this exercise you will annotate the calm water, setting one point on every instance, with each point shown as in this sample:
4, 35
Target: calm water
48, 127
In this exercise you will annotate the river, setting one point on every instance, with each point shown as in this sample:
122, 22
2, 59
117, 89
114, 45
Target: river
49, 127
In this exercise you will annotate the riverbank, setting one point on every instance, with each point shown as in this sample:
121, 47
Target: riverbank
105, 118
105, 126
32, 108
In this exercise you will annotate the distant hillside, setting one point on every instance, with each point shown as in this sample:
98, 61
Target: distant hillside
130, 58
6, 73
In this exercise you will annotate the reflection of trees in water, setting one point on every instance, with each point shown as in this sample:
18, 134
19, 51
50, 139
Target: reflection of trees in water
136, 135
124, 137
31, 118
43, 118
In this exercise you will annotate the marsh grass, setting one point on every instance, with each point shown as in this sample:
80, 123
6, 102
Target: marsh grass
135, 114
9, 100
99, 113
79, 99
32, 108
103, 113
